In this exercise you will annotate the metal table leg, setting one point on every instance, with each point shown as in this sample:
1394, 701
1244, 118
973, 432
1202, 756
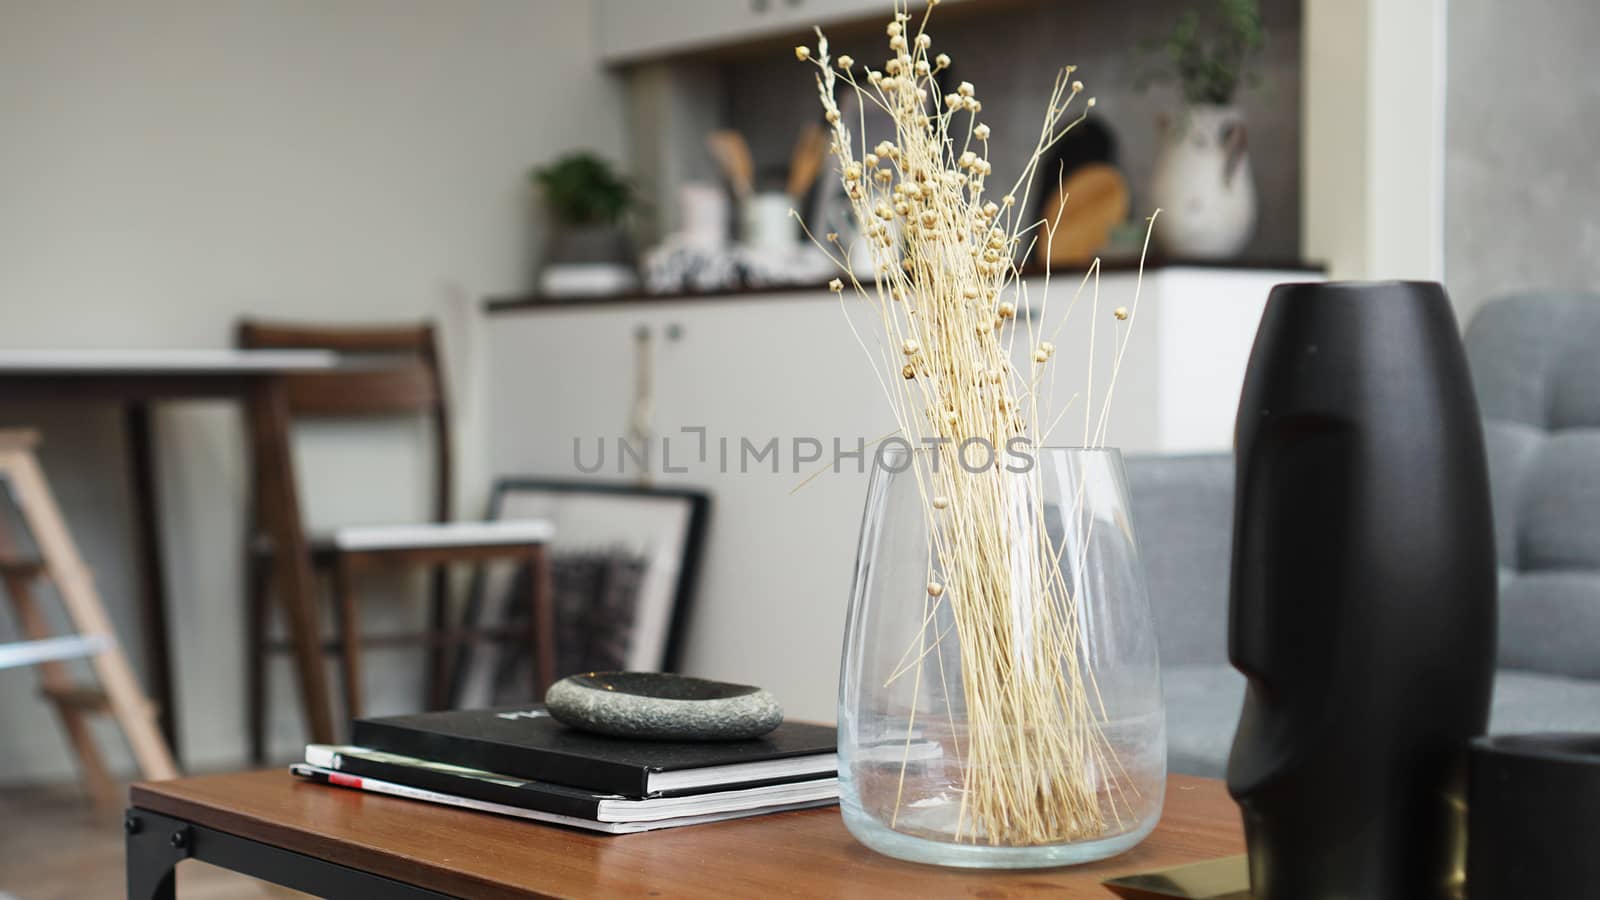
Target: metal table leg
157, 843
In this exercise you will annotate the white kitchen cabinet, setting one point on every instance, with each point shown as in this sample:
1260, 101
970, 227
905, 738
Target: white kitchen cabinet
631, 31
771, 602
1186, 350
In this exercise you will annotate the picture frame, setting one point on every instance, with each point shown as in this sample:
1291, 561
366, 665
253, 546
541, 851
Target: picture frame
637, 548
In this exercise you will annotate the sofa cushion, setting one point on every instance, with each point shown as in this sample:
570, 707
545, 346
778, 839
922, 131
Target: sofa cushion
1533, 359
1537, 375
1182, 508
1550, 622
1203, 704
1533, 701
1512, 447
1558, 514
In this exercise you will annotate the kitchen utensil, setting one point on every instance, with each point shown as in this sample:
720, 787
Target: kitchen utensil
810, 149
732, 153
1096, 198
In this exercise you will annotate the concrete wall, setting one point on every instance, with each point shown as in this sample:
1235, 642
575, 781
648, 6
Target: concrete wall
167, 166
1522, 207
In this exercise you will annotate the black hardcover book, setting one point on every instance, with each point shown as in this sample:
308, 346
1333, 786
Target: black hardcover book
525, 742
488, 787
388, 788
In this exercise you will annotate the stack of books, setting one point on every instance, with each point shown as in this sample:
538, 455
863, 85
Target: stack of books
521, 762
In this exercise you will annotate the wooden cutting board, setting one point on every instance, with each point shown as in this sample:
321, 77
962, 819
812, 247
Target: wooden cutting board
1096, 197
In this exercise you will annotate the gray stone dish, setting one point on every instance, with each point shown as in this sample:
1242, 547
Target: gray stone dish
662, 707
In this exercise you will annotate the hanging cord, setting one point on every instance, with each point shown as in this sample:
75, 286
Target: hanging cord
639, 430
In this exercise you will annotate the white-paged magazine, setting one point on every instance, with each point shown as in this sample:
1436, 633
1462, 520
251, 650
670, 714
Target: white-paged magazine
378, 786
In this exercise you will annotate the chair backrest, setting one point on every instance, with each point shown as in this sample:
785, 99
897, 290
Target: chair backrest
1536, 365
388, 370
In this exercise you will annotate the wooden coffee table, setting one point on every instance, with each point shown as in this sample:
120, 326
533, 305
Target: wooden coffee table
343, 843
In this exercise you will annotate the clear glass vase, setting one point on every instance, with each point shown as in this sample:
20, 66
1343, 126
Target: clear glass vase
1000, 696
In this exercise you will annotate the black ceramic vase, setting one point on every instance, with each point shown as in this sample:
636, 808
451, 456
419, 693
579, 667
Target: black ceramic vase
1535, 814
1363, 594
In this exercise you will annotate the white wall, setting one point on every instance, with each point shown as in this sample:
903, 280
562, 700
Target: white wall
166, 166
1373, 143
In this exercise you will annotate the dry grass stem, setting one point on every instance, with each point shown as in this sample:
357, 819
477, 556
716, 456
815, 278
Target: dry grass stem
945, 292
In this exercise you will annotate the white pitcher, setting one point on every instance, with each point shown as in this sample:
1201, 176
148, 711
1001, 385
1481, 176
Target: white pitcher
1203, 184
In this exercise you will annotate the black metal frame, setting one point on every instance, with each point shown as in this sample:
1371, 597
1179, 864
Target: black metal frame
157, 843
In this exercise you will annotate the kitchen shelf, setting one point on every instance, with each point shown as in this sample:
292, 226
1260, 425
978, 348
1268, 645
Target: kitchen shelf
532, 303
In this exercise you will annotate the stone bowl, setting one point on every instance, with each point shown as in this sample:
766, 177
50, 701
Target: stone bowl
662, 707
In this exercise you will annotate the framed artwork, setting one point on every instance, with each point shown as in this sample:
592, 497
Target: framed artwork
623, 566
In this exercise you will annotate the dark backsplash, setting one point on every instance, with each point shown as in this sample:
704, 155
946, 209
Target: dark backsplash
1011, 54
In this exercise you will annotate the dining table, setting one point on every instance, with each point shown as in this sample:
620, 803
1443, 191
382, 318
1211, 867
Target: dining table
137, 381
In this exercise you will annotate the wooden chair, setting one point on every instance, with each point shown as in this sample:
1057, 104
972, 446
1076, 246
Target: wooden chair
58, 561
386, 372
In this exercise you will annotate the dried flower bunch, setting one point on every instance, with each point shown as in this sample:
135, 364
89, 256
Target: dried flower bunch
946, 289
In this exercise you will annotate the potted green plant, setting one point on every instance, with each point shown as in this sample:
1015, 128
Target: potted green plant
1202, 180
588, 250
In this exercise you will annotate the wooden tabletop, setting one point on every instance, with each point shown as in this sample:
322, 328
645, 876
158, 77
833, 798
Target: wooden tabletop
796, 854
185, 361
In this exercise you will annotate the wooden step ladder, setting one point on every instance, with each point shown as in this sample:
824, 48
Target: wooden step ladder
58, 560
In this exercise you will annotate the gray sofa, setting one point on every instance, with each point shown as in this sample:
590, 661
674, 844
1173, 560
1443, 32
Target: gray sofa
1536, 365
